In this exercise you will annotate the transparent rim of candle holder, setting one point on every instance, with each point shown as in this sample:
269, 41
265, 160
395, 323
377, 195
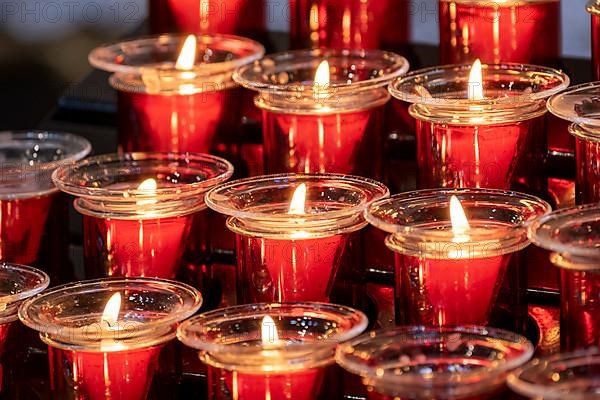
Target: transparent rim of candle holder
259, 206
103, 184
420, 225
512, 93
147, 64
568, 234
543, 378
131, 55
500, 3
70, 316
28, 159
378, 358
580, 105
17, 283
285, 81
308, 334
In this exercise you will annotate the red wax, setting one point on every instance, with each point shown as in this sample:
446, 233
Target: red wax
302, 385
4, 328
348, 143
177, 123
522, 33
580, 311
493, 157
22, 224
349, 24
207, 16
447, 291
588, 175
271, 270
124, 375
133, 248
596, 46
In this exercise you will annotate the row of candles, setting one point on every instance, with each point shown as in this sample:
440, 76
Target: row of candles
106, 336
493, 31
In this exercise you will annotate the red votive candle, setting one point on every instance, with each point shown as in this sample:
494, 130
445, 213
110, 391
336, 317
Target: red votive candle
293, 231
105, 336
481, 126
452, 249
562, 376
322, 110
499, 31
420, 363
349, 24
175, 93
272, 351
27, 194
207, 16
580, 106
138, 209
17, 283
573, 236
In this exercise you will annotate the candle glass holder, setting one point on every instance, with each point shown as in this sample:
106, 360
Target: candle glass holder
161, 108
420, 363
498, 142
500, 31
290, 356
571, 234
93, 358
443, 279
310, 126
349, 24
28, 198
133, 231
17, 283
207, 16
288, 256
570, 375
580, 106
593, 7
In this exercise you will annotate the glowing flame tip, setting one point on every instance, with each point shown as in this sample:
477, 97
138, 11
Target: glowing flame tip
298, 204
110, 316
476, 82
460, 223
268, 331
187, 56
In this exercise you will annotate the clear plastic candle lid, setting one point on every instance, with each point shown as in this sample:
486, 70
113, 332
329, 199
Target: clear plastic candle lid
580, 105
423, 363
420, 222
18, 282
573, 234
74, 316
27, 160
572, 376
149, 64
322, 80
296, 336
329, 204
509, 92
142, 185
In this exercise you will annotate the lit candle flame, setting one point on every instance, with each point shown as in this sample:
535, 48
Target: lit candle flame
298, 204
268, 331
110, 316
322, 77
149, 186
476, 82
460, 223
187, 56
